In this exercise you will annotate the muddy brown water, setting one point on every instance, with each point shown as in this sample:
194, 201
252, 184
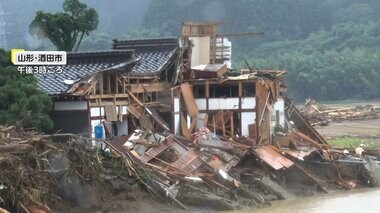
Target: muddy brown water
360, 201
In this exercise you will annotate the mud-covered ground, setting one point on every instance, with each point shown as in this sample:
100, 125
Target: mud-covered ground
366, 129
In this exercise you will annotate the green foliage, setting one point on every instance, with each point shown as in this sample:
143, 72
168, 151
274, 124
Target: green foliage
65, 29
21, 101
331, 48
350, 142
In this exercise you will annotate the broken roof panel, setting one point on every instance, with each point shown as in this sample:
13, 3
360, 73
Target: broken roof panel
80, 65
155, 54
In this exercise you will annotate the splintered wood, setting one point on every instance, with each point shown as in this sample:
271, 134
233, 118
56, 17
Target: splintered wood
188, 97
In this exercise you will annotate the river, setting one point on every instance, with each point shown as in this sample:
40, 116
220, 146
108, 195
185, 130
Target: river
359, 201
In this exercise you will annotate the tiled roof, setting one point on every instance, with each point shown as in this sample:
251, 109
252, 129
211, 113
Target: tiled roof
154, 54
80, 65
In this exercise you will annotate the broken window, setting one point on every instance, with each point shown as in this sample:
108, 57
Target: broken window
224, 91
199, 91
249, 90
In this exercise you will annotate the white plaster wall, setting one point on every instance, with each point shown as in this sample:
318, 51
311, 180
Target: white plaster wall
200, 53
176, 123
218, 103
176, 116
223, 103
248, 103
280, 106
99, 111
246, 119
201, 103
61, 106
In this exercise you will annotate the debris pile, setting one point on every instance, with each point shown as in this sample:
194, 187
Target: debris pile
322, 115
208, 164
36, 168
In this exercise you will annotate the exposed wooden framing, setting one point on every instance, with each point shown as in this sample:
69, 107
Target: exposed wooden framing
89, 119
148, 87
135, 98
232, 110
193, 124
240, 93
223, 124
108, 103
207, 95
101, 86
240, 89
185, 130
107, 96
206, 120
124, 91
232, 125
116, 83
108, 82
141, 77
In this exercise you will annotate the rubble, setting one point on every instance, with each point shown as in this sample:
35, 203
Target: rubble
207, 162
322, 115
37, 169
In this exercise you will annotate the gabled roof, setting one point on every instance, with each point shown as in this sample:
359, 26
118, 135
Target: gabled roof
154, 54
80, 65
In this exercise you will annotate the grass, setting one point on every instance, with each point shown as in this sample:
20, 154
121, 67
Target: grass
353, 142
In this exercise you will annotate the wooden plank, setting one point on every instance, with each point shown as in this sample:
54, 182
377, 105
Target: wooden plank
158, 118
252, 130
134, 111
150, 87
274, 159
107, 96
188, 97
185, 130
110, 112
205, 120
193, 124
124, 86
232, 125
101, 87
135, 98
120, 113
108, 83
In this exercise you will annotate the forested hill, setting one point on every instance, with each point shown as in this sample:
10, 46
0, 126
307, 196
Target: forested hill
331, 48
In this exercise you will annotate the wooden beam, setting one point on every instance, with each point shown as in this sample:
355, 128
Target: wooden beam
149, 87
106, 103
185, 130
107, 96
135, 98
124, 86
116, 84
232, 125
108, 82
101, 86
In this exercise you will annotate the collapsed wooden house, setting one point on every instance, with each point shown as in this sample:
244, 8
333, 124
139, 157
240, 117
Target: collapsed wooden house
96, 86
174, 105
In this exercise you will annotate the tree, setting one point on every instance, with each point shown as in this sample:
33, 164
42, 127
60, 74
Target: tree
65, 29
21, 101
